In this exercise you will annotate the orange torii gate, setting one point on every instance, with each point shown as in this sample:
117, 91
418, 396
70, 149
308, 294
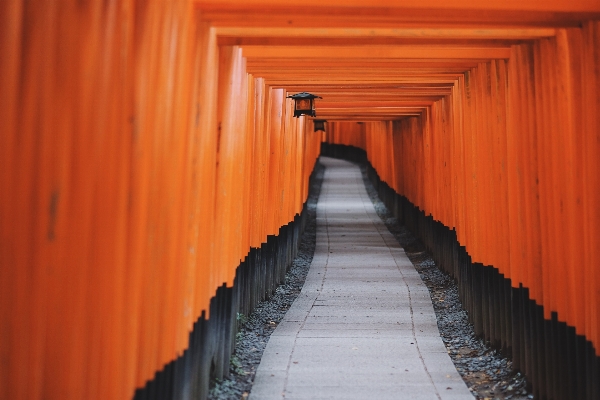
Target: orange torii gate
147, 151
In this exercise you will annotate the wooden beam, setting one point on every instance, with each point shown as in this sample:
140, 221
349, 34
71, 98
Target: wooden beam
286, 83
376, 52
374, 91
483, 32
387, 14
359, 102
378, 36
417, 5
371, 63
366, 118
350, 76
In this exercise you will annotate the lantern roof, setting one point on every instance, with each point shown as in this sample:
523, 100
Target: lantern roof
304, 95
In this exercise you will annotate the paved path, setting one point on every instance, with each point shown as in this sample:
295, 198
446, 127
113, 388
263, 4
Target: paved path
363, 326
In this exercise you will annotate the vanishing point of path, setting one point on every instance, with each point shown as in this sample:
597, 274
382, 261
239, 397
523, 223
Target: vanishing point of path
363, 326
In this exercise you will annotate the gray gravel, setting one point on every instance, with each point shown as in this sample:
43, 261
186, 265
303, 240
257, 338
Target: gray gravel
485, 371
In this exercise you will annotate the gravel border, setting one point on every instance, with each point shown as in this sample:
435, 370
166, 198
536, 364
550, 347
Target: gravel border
487, 373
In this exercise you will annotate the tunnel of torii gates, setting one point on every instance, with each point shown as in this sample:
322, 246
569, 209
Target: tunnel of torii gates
153, 177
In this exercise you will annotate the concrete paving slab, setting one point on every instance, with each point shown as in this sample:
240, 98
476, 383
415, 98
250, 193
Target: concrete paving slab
392, 326
359, 392
354, 333
363, 325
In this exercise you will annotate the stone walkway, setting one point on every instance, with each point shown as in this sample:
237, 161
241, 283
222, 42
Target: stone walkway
363, 326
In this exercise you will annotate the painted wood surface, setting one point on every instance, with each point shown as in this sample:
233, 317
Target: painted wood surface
146, 147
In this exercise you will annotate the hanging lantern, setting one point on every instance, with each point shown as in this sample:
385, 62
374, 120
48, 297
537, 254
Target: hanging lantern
304, 104
319, 124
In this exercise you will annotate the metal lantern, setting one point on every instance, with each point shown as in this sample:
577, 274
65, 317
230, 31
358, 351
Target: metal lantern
319, 124
304, 104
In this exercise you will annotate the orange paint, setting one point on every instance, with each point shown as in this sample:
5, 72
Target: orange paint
506, 160
142, 155
119, 216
